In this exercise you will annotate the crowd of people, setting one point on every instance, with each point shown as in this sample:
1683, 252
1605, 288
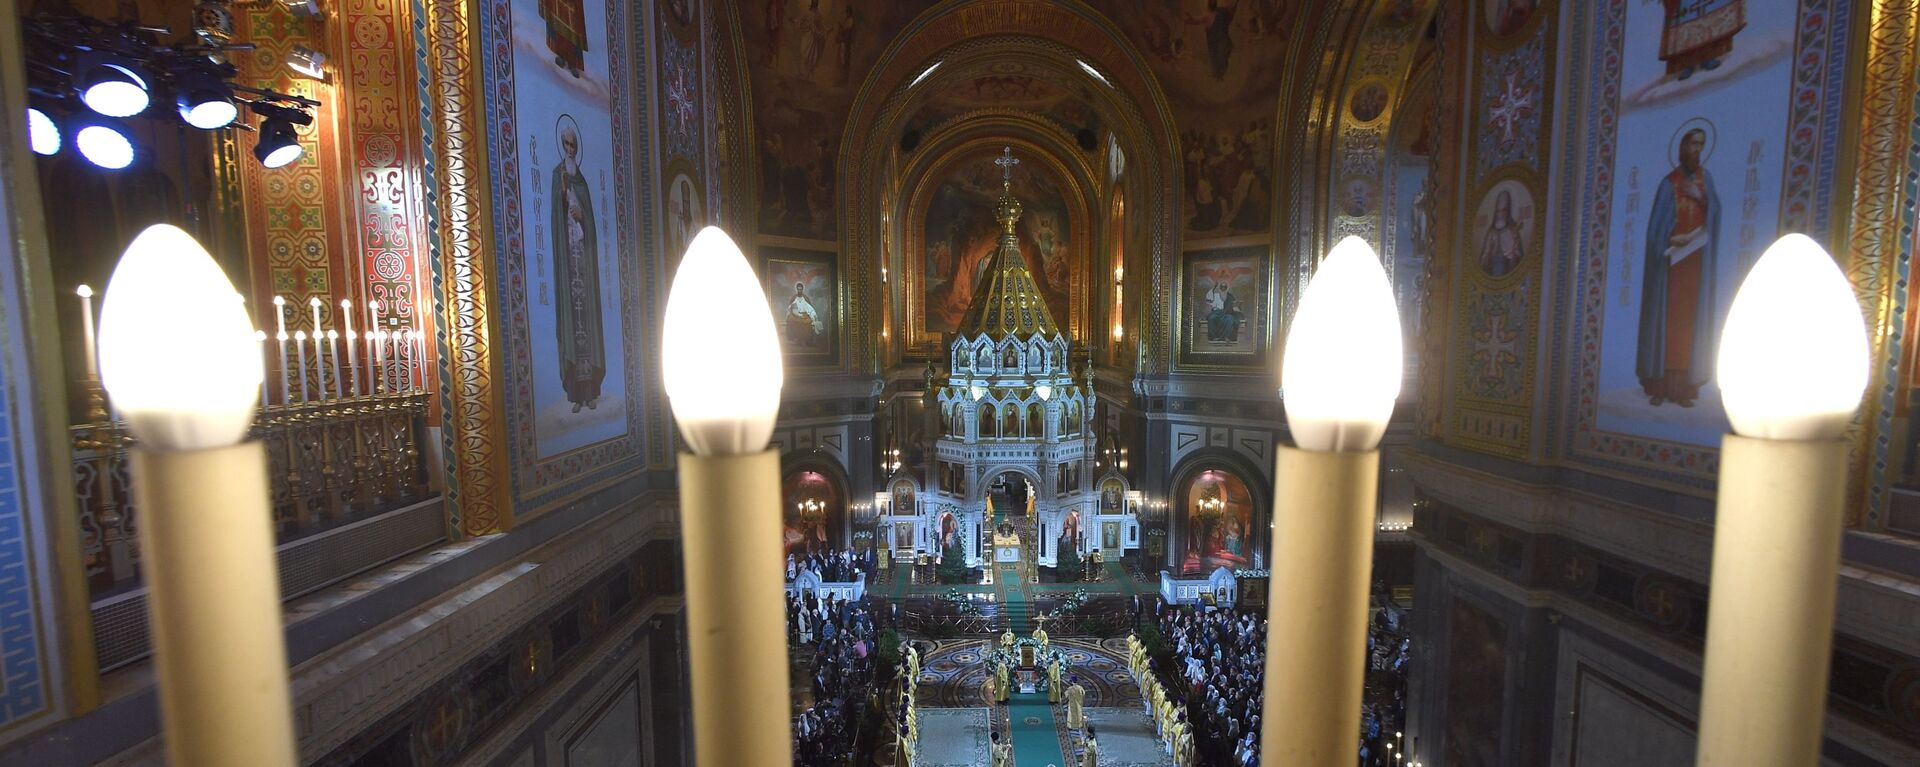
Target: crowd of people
841, 635
840, 566
1207, 706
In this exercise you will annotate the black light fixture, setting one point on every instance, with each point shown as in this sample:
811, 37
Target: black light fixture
83, 71
103, 141
43, 134
278, 145
206, 102
111, 86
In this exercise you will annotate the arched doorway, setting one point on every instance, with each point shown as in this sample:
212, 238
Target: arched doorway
813, 511
1220, 524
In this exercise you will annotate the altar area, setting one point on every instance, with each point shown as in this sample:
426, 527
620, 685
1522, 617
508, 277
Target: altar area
1007, 545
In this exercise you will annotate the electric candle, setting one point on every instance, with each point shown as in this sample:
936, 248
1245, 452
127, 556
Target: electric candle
1339, 375
333, 361
300, 360
724, 405
319, 364
280, 323
206, 538
87, 330
1793, 363
353, 357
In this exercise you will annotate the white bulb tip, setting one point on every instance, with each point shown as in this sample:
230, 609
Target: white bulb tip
279, 300
1341, 369
1794, 357
83, 291
164, 303
299, 335
725, 404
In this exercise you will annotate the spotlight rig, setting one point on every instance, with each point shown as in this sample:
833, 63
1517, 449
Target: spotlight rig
87, 78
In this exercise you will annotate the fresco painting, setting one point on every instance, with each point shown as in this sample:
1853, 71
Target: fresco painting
959, 236
803, 84
1218, 62
1696, 195
1223, 308
567, 196
1219, 517
802, 291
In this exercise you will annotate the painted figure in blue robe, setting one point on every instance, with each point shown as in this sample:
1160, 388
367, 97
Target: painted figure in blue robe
1674, 349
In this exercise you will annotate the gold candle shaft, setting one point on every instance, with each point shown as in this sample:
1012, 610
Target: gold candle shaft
1776, 565
736, 608
1317, 605
213, 591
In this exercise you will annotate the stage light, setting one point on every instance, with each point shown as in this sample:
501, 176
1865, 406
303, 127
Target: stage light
307, 62
43, 134
112, 89
207, 105
277, 146
103, 142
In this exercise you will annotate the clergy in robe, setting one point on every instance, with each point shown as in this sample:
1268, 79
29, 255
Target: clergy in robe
1697, 34
576, 275
1002, 685
1091, 756
1002, 751
1076, 699
1053, 681
1502, 248
1006, 640
1040, 638
1674, 353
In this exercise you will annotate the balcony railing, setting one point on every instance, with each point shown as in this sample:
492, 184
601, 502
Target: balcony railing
333, 462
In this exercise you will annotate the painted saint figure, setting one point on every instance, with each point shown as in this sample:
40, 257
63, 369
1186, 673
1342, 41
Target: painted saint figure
1674, 354
1223, 314
803, 324
566, 33
576, 272
1503, 247
1697, 34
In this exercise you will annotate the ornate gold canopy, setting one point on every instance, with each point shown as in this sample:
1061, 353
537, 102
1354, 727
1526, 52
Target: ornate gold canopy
1010, 303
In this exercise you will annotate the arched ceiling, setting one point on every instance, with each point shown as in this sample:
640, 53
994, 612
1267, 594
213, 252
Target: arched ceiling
1187, 93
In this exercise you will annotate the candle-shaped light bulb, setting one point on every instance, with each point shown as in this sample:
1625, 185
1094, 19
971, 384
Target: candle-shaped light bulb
168, 301
1341, 372
725, 403
1793, 357
1045, 391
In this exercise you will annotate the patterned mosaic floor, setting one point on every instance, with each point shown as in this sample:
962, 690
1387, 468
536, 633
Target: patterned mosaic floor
953, 719
954, 737
953, 672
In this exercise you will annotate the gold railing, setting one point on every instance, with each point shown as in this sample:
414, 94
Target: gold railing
334, 462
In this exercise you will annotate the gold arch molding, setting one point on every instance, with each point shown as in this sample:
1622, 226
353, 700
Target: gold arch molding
1031, 142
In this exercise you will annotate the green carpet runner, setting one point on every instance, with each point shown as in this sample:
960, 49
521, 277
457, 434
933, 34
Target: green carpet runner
1034, 741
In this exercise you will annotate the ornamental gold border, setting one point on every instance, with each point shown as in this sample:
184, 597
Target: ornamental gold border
1881, 91
470, 369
